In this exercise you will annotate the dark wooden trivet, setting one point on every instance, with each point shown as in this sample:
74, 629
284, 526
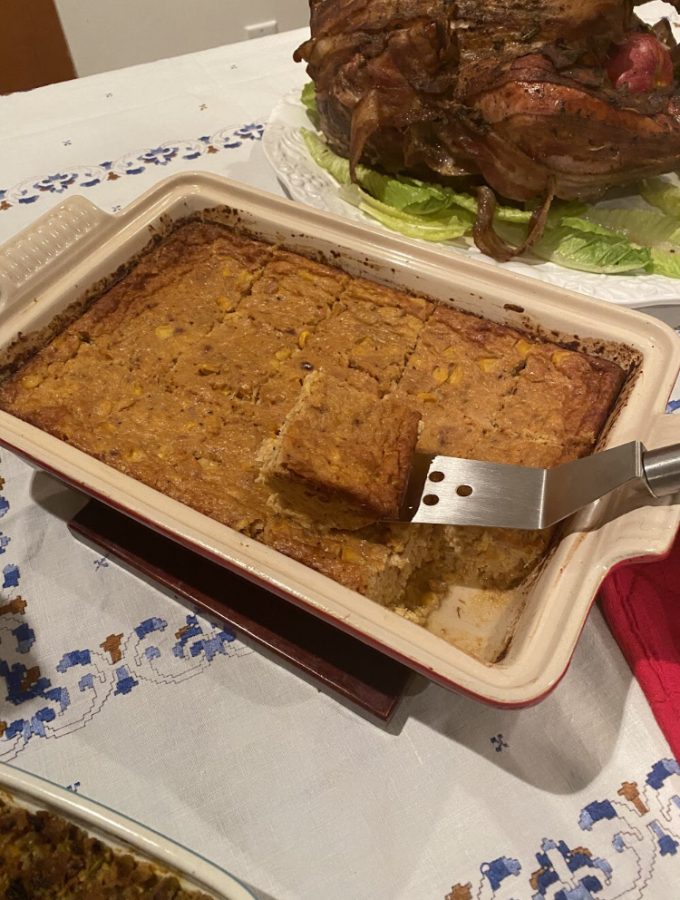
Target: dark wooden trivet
338, 662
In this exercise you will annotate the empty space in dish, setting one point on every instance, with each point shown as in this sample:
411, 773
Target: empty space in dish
478, 622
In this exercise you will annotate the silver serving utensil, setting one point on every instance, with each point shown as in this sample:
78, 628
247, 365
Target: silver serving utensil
446, 490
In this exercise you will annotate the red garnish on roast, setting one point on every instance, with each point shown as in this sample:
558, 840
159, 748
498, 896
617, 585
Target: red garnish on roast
641, 64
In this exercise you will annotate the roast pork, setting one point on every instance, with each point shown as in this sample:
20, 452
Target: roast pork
528, 99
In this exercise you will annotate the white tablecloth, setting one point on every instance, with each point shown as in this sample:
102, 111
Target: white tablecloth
113, 688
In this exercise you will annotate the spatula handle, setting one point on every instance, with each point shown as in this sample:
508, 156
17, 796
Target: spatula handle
662, 470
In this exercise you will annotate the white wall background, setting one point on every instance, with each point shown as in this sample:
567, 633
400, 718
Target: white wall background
111, 34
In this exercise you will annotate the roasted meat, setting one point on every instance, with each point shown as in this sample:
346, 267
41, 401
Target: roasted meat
531, 99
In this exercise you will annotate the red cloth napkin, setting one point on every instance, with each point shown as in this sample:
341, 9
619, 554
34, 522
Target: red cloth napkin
641, 603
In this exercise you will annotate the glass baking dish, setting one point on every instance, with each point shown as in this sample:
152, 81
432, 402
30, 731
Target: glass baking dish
24, 790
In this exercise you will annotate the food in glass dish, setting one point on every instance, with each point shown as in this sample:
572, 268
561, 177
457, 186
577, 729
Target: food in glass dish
44, 856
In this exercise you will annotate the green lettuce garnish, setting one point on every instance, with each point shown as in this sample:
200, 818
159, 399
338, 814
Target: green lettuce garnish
323, 156
579, 244
446, 225
401, 192
665, 262
659, 232
576, 236
308, 98
644, 226
662, 194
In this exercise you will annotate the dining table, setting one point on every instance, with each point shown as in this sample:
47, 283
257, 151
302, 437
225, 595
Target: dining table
117, 688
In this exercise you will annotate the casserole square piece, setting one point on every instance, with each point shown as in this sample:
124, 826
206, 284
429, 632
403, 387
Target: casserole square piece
342, 457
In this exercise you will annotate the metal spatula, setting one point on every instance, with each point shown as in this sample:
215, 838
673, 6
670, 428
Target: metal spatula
446, 490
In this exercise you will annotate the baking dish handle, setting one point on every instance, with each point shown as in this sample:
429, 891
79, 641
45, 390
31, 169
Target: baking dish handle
663, 519
36, 251
640, 527
665, 430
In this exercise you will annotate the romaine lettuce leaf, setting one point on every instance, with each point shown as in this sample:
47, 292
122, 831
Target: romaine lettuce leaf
575, 243
323, 156
644, 226
577, 236
308, 98
578, 244
418, 227
443, 226
662, 194
406, 194
664, 262
401, 192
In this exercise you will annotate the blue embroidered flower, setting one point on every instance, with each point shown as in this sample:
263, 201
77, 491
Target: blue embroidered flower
24, 197
38, 720
498, 743
24, 636
130, 168
90, 182
149, 626
661, 771
252, 132
57, 183
11, 576
668, 846
4, 541
74, 658
124, 681
159, 156
499, 869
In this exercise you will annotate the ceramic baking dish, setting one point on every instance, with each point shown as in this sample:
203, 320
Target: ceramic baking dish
30, 792
75, 246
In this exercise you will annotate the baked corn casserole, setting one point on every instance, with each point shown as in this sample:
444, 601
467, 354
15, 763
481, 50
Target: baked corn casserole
181, 372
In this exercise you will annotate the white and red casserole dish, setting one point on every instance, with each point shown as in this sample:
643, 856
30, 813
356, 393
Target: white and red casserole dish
77, 246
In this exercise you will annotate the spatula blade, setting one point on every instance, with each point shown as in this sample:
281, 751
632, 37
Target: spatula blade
447, 490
